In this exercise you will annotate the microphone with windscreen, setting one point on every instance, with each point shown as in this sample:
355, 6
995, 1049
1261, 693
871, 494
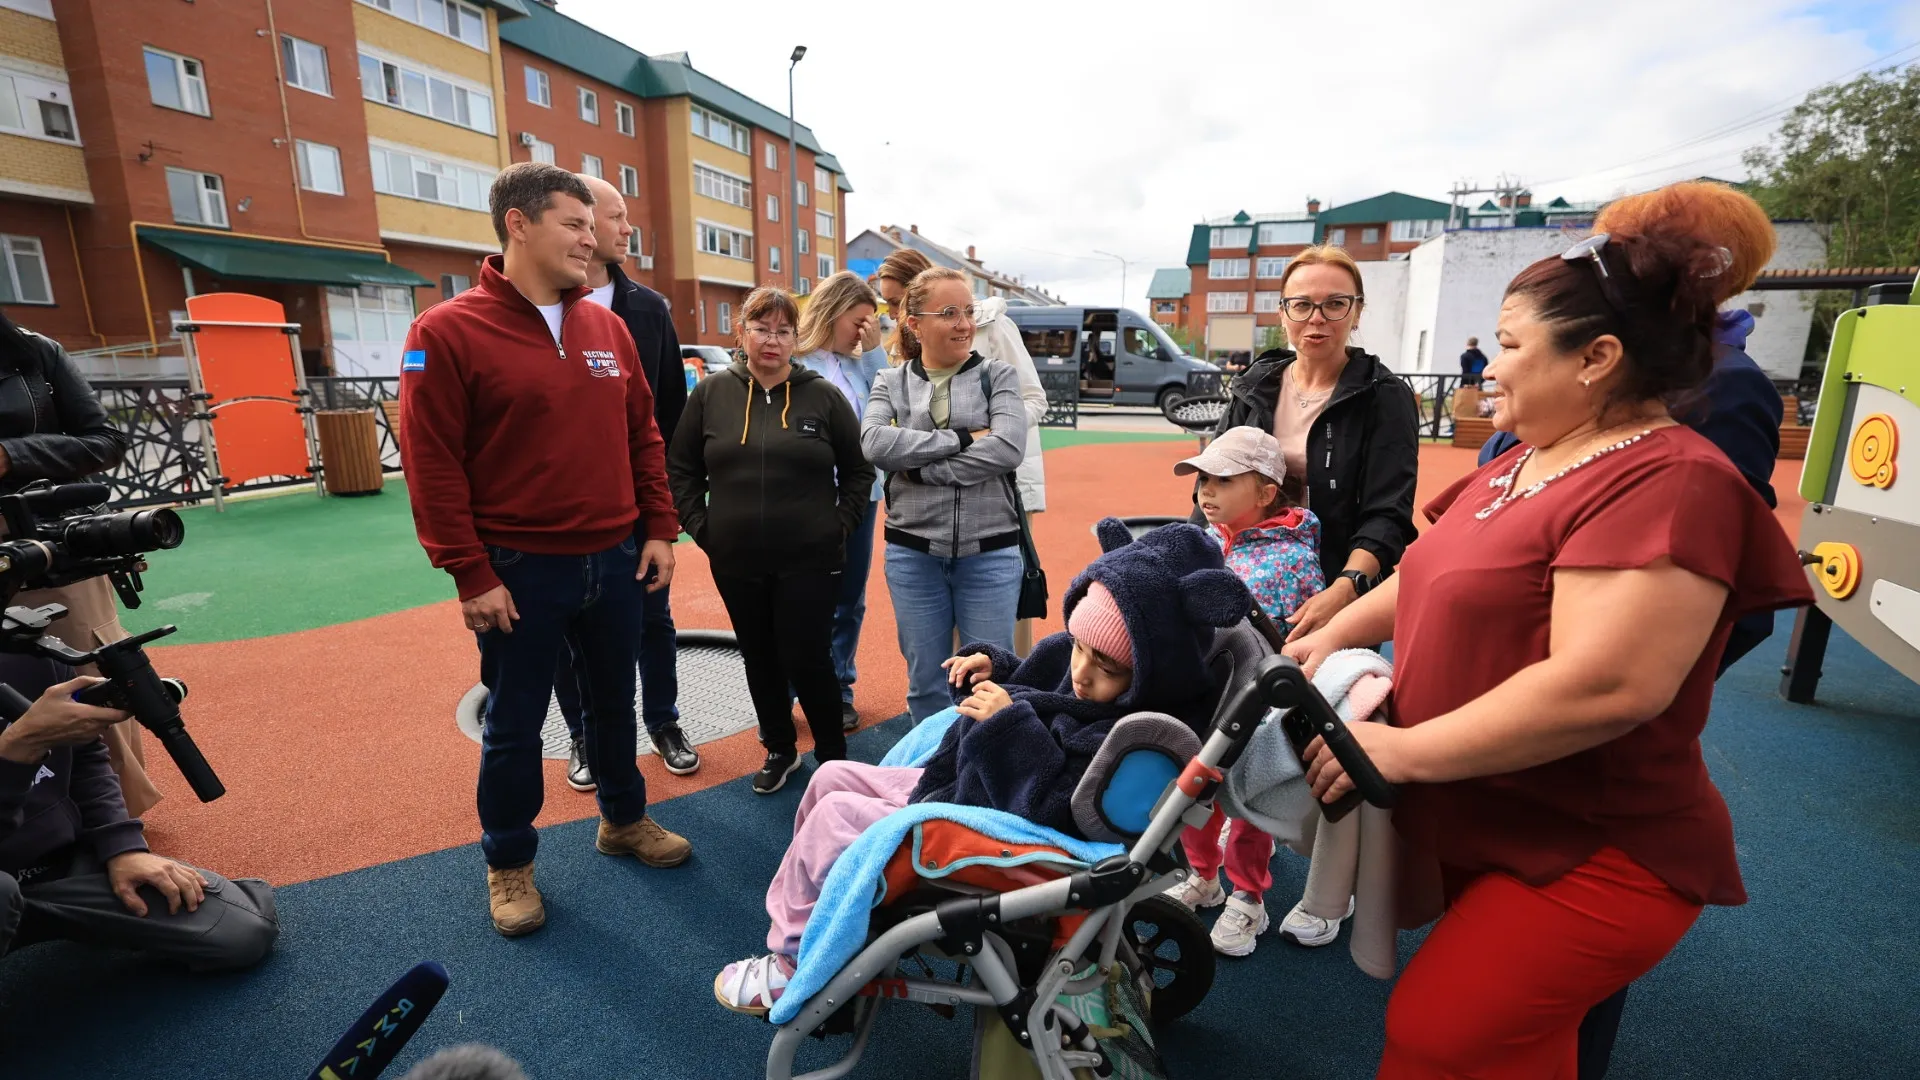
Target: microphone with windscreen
373, 1041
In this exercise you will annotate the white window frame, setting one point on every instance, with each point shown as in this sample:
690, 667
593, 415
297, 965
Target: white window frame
799, 193
208, 198
823, 266
1273, 233
469, 181
717, 238
1272, 266
384, 303
589, 106
1337, 237
623, 118
773, 258
771, 155
1227, 269
1402, 232
723, 317
452, 285
1227, 303
592, 166
722, 186
1370, 234
191, 88
802, 287
477, 98
1266, 302
297, 73
469, 23
633, 243
823, 225
541, 151
24, 100
773, 207
12, 250
1233, 236
629, 181
822, 179
705, 122
537, 79
805, 242
304, 152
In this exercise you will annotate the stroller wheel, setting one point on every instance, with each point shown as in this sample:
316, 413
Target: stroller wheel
1172, 953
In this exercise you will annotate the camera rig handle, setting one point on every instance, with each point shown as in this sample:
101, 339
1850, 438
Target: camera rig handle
132, 685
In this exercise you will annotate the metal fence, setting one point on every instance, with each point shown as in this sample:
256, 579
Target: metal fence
164, 462
1063, 398
1433, 398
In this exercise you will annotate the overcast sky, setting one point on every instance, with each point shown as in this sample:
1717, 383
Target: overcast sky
1043, 130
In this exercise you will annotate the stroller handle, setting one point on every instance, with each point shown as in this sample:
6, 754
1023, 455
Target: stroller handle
1279, 683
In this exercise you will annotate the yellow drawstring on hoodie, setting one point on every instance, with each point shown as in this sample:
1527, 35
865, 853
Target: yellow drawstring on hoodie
747, 423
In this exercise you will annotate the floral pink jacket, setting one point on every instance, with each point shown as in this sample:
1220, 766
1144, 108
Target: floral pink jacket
1279, 559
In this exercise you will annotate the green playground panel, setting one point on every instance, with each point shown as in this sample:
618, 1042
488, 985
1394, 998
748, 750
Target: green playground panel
1879, 346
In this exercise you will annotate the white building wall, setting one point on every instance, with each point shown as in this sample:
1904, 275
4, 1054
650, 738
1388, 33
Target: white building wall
1383, 319
1422, 305
1782, 320
1479, 264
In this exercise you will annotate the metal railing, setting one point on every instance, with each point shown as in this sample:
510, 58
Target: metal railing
1433, 398
1063, 398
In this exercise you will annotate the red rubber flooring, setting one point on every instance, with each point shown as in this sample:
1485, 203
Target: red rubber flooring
338, 745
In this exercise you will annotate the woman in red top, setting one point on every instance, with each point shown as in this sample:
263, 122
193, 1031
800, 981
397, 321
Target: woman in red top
1556, 633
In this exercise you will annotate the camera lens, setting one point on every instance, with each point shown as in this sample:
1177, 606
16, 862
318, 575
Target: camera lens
130, 532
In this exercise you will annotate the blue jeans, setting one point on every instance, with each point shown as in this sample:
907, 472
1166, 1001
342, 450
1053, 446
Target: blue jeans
977, 595
659, 671
851, 609
591, 605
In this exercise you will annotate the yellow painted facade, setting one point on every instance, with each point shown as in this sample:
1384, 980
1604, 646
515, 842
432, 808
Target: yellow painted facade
30, 37
433, 136
43, 164
415, 217
694, 149
679, 181
397, 35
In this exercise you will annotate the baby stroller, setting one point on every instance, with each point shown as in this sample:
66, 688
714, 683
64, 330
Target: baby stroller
1021, 943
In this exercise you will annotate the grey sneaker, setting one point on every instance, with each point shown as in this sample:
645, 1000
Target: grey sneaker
579, 775
1312, 931
849, 717
1235, 931
1197, 892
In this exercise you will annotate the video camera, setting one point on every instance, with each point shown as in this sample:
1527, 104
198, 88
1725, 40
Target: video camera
57, 536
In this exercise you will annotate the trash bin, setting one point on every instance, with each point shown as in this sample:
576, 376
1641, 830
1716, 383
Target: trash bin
350, 451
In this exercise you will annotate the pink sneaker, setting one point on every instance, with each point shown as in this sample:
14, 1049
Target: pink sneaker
752, 986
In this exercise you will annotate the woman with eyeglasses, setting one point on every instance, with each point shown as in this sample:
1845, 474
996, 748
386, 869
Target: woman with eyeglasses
1556, 632
1349, 432
768, 479
949, 428
996, 338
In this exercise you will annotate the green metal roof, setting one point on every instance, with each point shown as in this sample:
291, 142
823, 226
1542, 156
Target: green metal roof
1393, 206
1200, 247
574, 44
1170, 284
245, 258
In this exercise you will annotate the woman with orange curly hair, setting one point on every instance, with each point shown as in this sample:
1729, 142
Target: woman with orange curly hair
1556, 633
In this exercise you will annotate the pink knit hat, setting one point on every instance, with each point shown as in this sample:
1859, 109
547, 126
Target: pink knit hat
1096, 623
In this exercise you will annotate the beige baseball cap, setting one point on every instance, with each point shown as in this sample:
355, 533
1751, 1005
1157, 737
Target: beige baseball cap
1235, 451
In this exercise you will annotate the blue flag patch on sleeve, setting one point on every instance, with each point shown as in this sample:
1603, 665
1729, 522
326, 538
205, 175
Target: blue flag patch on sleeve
414, 360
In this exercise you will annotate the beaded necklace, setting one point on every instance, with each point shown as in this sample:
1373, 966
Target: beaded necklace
1505, 483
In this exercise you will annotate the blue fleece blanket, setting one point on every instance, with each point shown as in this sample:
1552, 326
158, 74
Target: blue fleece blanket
857, 884
922, 741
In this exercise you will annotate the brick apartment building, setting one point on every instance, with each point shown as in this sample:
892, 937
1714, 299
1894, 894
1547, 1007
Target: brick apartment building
1234, 263
335, 155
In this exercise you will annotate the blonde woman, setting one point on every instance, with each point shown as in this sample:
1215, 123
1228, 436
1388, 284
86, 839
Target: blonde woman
996, 338
840, 339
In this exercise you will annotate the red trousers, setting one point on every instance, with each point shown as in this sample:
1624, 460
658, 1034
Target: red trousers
1498, 989
1249, 855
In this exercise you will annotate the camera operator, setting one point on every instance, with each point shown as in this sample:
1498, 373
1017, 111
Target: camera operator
75, 866
52, 427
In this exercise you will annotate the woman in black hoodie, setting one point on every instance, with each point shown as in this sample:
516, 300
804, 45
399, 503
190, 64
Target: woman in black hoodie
1347, 427
768, 479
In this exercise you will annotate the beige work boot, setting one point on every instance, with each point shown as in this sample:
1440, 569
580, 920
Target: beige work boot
514, 902
644, 840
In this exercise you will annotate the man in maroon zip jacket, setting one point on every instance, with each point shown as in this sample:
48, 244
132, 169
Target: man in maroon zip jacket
538, 481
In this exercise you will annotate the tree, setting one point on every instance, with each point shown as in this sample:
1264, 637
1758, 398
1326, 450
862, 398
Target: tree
1182, 337
1849, 156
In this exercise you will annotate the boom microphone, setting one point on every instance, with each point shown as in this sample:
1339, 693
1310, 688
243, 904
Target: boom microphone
373, 1041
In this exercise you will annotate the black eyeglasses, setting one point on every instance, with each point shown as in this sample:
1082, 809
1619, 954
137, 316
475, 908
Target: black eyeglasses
1335, 308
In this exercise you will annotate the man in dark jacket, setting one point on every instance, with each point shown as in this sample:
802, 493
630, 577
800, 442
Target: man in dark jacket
74, 866
1472, 363
650, 321
1363, 458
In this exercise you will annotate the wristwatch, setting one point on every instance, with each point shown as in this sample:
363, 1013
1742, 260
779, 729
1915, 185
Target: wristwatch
1361, 582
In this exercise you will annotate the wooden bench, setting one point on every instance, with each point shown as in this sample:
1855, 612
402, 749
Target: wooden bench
1793, 437
1471, 432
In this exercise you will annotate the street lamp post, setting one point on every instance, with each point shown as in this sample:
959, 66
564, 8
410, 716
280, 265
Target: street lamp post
1123, 273
793, 173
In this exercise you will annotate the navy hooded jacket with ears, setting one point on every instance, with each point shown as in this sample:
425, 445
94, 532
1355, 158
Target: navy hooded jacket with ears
1173, 590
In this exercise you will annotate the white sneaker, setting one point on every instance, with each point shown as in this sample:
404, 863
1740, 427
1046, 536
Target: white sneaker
1196, 893
1237, 927
1312, 931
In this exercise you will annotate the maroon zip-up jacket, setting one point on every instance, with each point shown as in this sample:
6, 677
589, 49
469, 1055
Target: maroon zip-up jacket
511, 440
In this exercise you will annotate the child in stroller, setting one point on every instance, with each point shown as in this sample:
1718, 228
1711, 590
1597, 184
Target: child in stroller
1140, 620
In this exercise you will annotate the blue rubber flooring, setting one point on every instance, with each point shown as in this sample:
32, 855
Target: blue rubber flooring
1814, 978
